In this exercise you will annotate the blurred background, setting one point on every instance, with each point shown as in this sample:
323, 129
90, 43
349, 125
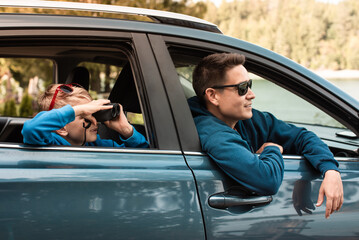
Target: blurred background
322, 35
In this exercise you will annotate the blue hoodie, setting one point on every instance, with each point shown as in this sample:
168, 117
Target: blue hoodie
40, 131
234, 151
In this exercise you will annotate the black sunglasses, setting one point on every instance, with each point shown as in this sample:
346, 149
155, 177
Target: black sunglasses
242, 87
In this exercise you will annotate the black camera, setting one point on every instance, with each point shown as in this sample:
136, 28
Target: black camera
108, 114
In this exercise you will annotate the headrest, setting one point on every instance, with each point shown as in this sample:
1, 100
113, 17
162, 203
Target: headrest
79, 75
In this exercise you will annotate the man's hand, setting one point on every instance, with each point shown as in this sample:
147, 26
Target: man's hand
332, 188
260, 150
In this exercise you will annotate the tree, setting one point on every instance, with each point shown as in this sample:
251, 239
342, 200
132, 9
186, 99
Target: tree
10, 108
26, 109
313, 33
23, 69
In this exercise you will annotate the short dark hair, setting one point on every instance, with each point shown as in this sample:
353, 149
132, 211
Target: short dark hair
211, 70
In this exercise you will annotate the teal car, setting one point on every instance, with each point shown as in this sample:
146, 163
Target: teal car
172, 190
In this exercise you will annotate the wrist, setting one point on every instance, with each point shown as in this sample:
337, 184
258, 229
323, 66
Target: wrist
127, 131
331, 172
77, 110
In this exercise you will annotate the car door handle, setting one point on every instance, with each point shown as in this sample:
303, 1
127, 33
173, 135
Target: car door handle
223, 200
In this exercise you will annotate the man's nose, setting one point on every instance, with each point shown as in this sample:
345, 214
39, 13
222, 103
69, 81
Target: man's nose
250, 94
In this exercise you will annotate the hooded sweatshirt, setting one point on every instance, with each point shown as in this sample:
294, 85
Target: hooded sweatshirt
40, 131
233, 150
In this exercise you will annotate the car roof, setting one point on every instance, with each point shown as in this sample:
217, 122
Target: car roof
156, 15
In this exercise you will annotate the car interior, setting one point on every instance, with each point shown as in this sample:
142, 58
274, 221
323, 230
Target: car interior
82, 64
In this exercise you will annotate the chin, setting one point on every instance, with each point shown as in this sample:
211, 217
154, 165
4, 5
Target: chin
91, 139
250, 113
247, 116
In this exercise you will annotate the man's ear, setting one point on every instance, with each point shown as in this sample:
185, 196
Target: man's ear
62, 132
211, 96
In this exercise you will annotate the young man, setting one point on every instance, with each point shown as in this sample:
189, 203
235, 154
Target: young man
233, 133
67, 119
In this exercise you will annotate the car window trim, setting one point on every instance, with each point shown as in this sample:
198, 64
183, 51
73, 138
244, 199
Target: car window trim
182, 116
88, 149
159, 108
34, 32
285, 157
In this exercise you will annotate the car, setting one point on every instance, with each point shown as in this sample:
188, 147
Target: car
172, 190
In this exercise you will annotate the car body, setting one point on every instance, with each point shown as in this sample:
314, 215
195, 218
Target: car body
172, 190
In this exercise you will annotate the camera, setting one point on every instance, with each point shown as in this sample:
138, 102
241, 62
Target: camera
108, 114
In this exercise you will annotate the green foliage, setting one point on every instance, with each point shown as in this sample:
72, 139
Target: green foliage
100, 83
94, 70
23, 69
10, 108
318, 35
135, 118
26, 108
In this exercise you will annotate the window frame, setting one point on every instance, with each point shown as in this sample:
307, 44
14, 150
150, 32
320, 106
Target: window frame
276, 72
158, 134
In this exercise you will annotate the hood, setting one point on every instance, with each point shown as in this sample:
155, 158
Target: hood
197, 108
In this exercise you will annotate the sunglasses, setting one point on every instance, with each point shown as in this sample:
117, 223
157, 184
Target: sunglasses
242, 87
65, 88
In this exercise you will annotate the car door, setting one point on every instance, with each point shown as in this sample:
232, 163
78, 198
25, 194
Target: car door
229, 210
92, 192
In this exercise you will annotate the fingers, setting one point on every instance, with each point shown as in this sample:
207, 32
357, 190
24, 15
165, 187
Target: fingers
338, 203
102, 101
333, 204
329, 209
260, 150
104, 107
122, 112
92, 119
320, 197
341, 202
97, 105
101, 104
90, 107
332, 188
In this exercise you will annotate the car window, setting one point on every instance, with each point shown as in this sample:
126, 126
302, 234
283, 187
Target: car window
185, 60
21, 84
102, 80
185, 77
23, 80
269, 96
286, 105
